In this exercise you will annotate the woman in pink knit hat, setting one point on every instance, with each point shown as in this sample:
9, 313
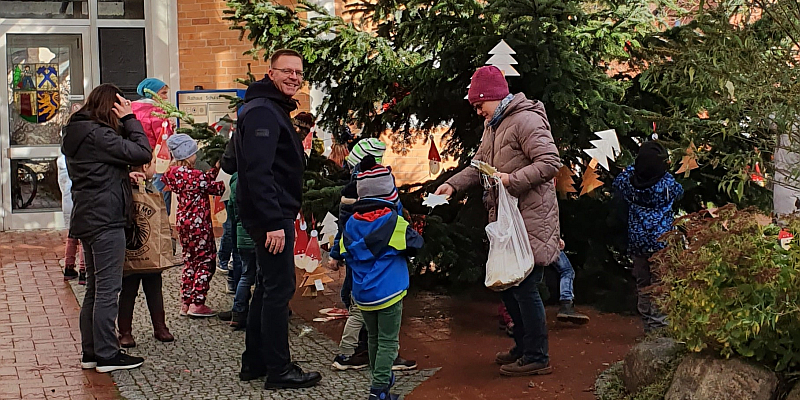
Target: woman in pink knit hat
517, 142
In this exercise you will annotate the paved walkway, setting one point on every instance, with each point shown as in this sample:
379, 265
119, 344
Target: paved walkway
39, 335
40, 315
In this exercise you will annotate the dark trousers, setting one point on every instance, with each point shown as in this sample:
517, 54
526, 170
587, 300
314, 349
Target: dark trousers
104, 254
526, 308
652, 317
151, 284
267, 333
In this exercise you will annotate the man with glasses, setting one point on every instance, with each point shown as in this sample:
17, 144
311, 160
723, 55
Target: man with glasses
269, 158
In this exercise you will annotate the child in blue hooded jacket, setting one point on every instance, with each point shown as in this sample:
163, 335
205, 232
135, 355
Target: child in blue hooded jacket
375, 243
649, 192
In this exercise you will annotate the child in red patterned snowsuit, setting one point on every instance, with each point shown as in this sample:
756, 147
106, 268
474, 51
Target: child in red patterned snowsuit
196, 233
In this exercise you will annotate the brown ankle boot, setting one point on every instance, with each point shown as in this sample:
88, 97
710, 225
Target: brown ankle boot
160, 330
127, 300
151, 283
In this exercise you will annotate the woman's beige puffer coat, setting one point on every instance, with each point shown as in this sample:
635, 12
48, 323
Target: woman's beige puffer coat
522, 146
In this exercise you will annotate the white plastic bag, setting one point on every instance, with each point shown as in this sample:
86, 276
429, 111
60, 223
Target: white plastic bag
510, 254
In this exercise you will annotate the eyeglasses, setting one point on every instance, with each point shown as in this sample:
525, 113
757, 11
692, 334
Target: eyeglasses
289, 71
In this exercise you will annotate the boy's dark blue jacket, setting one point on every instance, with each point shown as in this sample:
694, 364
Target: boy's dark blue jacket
375, 243
349, 198
650, 212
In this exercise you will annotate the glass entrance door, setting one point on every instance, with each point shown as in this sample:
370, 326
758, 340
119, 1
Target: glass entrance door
46, 82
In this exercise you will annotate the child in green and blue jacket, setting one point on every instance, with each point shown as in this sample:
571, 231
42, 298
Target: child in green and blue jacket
375, 243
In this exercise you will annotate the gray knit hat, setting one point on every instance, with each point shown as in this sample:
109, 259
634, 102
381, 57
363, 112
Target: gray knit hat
376, 182
181, 146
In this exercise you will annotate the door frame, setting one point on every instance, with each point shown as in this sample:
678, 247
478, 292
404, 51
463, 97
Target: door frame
33, 219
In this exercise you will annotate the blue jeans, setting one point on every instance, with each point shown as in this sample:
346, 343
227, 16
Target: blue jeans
228, 251
567, 274
527, 311
241, 301
160, 186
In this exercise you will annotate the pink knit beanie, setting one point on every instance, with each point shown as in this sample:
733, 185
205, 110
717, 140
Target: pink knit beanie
488, 84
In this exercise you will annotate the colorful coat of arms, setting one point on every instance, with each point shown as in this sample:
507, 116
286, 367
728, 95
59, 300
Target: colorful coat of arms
36, 94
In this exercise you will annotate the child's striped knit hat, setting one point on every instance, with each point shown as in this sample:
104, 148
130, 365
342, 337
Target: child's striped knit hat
376, 182
371, 146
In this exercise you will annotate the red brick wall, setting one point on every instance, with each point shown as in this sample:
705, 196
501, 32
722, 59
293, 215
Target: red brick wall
210, 53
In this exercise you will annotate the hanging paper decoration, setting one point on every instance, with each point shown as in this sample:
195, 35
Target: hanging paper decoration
434, 159
758, 177
312, 255
218, 209
688, 162
433, 200
502, 59
225, 127
329, 229
308, 143
318, 145
161, 151
606, 148
301, 238
785, 237
589, 180
564, 182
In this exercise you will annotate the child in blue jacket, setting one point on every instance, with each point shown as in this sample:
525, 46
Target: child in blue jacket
649, 192
375, 243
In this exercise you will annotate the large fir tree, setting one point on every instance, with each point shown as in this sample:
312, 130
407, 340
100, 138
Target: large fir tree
417, 56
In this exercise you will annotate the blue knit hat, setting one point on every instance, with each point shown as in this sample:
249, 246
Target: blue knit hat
153, 84
181, 146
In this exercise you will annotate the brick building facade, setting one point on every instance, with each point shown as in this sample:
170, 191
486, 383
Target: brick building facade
211, 54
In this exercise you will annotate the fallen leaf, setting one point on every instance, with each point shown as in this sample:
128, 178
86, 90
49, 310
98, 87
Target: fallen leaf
763, 220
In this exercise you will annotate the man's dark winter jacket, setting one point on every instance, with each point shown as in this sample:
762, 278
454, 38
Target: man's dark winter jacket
269, 159
98, 160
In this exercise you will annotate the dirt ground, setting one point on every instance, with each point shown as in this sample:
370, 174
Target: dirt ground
460, 335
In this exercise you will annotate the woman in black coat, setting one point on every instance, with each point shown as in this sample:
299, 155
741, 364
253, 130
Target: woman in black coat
101, 142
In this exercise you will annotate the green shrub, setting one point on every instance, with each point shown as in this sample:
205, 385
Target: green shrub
728, 285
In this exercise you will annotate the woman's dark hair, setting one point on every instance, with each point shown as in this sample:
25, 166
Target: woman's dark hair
100, 105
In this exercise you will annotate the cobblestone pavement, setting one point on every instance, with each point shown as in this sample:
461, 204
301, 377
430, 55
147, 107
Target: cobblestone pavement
39, 335
204, 360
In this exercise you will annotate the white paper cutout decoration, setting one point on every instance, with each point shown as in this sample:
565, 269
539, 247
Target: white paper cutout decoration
329, 228
606, 148
501, 58
433, 200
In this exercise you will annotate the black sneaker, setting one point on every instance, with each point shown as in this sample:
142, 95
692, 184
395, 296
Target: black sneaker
120, 361
88, 362
356, 362
82, 278
401, 364
225, 315
70, 273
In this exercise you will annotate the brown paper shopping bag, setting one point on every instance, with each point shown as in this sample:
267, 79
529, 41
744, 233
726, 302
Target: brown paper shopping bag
148, 245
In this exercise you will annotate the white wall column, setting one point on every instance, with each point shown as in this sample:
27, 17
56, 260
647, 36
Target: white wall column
316, 93
162, 43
